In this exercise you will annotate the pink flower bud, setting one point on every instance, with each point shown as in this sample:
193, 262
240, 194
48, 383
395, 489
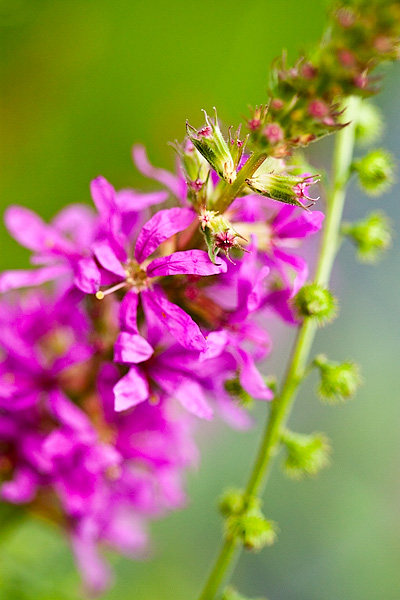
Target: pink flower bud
274, 133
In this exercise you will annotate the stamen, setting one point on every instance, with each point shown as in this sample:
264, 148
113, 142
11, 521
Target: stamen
100, 295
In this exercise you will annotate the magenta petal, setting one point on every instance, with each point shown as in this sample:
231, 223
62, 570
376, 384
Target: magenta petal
68, 413
188, 392
87, 276
103, 195
163, 225
94, 569
77, 221
10, 280
298, 264
128, 312
131, 348
305, 224
21, 489
178, 323
172, 182
190, 262
131, 201
251, 379
108, 259
30, 230
131, 390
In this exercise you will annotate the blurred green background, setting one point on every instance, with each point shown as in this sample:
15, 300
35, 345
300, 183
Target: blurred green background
81, 81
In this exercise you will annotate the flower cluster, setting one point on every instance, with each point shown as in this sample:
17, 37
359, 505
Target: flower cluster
148, 313
135, 334
303, 104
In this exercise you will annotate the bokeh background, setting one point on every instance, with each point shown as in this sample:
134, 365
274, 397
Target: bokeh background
81, 81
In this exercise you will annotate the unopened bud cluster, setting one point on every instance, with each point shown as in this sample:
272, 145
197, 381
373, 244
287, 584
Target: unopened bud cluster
246, 522
375, 172
303, 105
306, 455
316, 301
338, 381
371, 236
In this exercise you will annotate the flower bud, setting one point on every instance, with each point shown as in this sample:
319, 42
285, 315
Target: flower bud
211, 144
372, 236
290, 189
307, 455
232, 502
219, 234
252, 529
316, 301
369, 124
375, 171
339, 381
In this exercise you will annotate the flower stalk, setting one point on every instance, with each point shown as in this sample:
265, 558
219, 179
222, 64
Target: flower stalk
283, 403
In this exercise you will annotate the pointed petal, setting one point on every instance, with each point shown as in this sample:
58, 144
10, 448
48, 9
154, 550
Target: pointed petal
108, 259
298, 264
103, 196
188, 392
171, 181
304, 225
251, 379
77, 221
191, 262
163, 225
128, 312
132, 201
131, 348
87, 276
30, 230
10, 280
131, 390
178, 323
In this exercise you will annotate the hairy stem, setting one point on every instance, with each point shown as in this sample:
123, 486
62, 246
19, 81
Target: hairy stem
283, 403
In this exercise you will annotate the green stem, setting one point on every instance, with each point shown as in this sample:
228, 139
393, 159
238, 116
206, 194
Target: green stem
230, 191
283, 403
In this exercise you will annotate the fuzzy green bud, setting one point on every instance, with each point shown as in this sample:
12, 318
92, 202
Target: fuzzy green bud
232, 502
307, 455
316, 301
252, 529
369, 123
372, 236
339, 381
211, 144
375, 171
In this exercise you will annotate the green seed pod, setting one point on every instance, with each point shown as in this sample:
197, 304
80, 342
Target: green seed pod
372, 236
316, 301
307, 455
375, 171
339, 381
369, 124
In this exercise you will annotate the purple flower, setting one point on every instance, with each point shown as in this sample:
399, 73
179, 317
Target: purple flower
138, 274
